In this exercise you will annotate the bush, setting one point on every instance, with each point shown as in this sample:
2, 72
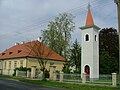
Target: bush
21, 69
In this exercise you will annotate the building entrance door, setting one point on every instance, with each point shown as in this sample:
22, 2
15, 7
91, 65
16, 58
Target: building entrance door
87, 71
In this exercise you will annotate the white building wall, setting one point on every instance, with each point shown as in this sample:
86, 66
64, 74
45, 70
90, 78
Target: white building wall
6, 72
96, 55
90, 52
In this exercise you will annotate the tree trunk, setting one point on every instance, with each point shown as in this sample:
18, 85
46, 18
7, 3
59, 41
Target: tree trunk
43, 76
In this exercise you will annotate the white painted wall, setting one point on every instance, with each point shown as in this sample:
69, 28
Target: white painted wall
6, 72
90, 52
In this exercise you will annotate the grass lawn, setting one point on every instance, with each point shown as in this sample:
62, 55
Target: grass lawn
106, 82
63, 85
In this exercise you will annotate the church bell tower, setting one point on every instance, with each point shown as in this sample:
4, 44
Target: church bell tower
90, 48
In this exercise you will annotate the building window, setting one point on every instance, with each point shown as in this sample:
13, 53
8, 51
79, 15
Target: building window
4, 65
86, 37
95, 38
21, 63
19, 51
10, 65
51, 64
3, 53
10, 53
0, 65
15, 64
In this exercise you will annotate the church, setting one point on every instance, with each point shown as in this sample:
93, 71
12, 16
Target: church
90, 48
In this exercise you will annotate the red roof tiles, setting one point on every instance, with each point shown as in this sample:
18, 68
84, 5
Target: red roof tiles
31, 49
89, 20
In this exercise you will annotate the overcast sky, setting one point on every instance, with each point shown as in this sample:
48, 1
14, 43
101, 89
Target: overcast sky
23, 20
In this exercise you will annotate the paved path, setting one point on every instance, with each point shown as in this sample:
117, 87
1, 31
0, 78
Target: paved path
6, 84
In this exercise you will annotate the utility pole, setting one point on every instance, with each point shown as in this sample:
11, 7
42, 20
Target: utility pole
118, 8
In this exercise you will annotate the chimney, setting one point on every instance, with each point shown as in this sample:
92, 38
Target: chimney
16, 43
22, 42
39, 39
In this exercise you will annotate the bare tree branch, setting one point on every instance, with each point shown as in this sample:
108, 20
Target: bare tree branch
39, 51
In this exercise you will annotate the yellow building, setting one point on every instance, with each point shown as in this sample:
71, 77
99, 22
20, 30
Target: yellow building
27, 55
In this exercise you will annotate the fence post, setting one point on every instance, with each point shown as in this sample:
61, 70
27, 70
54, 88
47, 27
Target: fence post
61, 76
52, 70
114, 81
28, 73
84, 78
54, 76
33, 70
16, 73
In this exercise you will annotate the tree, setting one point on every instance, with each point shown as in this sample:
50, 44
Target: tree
41, 53
75, 56
109, 51
66, 68
108, 63
74, 60
58, 34
109, 41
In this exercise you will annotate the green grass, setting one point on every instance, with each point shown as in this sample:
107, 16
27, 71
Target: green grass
62, 85
11, 77
69, 86
106, 82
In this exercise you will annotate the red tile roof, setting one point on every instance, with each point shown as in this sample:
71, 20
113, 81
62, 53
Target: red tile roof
31, 49
89, 20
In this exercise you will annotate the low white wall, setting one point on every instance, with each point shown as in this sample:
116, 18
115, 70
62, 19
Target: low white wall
6, 72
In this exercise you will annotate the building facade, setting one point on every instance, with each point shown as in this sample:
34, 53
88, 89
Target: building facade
25, 55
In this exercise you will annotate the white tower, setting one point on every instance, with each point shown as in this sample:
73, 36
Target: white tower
90, 48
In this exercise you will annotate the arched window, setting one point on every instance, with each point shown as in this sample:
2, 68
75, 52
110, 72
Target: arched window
95, 38
86, 37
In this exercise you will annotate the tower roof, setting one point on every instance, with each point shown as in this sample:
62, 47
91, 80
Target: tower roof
89, 20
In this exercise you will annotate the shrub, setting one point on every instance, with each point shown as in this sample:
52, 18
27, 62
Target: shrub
21, 69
